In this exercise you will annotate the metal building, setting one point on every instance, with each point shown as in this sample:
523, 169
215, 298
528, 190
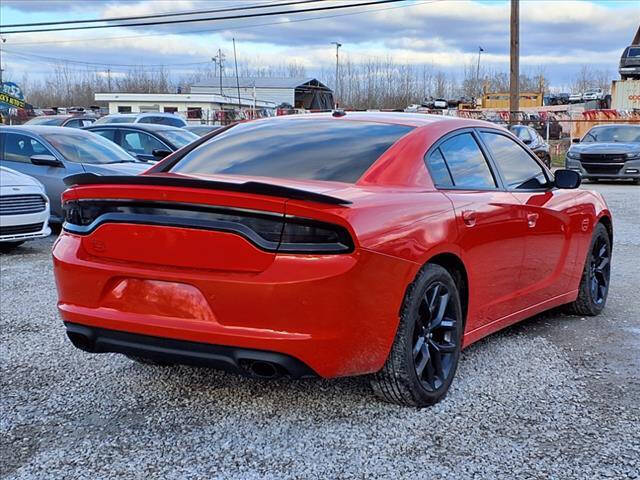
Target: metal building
306, 93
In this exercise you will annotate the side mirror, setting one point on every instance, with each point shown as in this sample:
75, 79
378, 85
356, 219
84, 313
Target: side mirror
567, 179
575, 140
527, 141
46, 160
158, 153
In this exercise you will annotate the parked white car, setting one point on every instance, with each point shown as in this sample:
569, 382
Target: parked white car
575, 98
24, 209
593, 94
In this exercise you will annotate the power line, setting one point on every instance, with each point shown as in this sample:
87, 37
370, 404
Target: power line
160, 15
99, 64
207, 19
238, 27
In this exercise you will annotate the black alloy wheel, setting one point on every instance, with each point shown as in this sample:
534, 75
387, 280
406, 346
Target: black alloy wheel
434, 342
596, 275
600, 270
425, 352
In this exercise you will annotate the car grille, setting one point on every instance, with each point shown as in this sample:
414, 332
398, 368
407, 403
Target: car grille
20, 204
21, 229
602, 158
606, 169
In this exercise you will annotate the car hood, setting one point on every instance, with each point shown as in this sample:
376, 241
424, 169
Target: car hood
116, 168
11, 178
611, 148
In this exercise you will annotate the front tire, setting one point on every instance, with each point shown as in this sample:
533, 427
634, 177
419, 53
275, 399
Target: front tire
594, 284
426, 349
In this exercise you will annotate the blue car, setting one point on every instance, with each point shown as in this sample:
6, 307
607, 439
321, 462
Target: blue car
52, 153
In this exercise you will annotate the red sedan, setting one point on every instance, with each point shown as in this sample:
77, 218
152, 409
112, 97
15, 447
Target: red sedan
329, 245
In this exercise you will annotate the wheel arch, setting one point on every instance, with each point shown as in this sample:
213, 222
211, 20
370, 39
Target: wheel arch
455, 266
608, 224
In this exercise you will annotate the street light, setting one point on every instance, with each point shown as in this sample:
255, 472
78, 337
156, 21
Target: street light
480, 50
338, 45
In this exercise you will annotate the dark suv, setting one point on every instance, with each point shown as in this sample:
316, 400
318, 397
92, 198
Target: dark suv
630, 62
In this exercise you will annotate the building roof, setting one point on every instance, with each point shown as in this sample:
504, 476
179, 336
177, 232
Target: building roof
181, 97
263, 82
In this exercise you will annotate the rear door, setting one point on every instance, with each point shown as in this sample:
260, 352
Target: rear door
491, 228
550, 250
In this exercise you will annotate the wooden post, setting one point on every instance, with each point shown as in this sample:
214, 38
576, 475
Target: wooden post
514, 81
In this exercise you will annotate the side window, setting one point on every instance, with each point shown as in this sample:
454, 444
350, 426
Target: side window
439, 170
519, 170
108, 133
466, 162
73, 124
20, 148
140, 143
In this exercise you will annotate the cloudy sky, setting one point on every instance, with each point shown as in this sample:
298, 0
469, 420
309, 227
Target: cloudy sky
558, 35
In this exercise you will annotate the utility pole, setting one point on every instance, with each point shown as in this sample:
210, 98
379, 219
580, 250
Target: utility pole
514, 80
478, 86
2, 40
220, 60
235, 60
109, 79
338, 45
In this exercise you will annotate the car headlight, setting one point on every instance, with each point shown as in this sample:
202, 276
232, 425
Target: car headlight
633, 155
573, 155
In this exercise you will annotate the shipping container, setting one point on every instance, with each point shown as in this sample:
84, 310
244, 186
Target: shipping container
625, 94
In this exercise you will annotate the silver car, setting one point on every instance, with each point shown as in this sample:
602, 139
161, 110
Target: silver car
607, 152
51, 153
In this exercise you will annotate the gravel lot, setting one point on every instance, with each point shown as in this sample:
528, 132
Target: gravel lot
553, 397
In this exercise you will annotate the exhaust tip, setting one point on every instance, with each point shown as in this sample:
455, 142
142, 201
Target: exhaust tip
262, 369
82, 338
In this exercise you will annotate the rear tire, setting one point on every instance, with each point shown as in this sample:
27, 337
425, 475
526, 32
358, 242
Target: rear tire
426, 349
594, 284
6, 247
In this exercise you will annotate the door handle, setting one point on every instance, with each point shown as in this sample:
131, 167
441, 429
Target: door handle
469, 217
532, 219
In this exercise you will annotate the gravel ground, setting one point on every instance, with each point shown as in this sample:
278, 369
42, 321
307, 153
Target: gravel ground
553, 397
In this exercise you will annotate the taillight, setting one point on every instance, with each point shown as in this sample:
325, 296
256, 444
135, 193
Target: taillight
269, 231
302, 235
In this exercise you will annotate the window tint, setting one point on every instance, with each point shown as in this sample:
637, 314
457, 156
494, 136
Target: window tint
178, 137
109, 134
139, 143
317, 149
20, 148
439, 171
73, 123
466, 162
517, 167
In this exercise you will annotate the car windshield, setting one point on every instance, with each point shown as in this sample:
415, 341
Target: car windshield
46, 120
614, 133
178, 137
318, 149
87, 148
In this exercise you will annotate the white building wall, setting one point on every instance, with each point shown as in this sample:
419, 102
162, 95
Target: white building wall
275, 95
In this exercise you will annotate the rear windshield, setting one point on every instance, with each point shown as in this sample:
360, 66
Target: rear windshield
634, 52
309, 149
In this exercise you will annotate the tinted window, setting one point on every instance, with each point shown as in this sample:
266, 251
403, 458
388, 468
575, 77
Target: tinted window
439, 171
20, 148
46, 120
73, 123
318, 149
517, 167
522, 133
633, 52
466, 162
139, 142
163, 120
82, 147
178, 137
109, 134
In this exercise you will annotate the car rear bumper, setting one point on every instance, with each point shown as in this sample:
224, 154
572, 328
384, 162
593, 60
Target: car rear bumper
336, 314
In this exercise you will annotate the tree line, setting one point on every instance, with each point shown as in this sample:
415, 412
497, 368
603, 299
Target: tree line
376, 83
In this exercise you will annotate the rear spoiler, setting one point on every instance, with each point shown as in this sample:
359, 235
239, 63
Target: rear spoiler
259, 188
